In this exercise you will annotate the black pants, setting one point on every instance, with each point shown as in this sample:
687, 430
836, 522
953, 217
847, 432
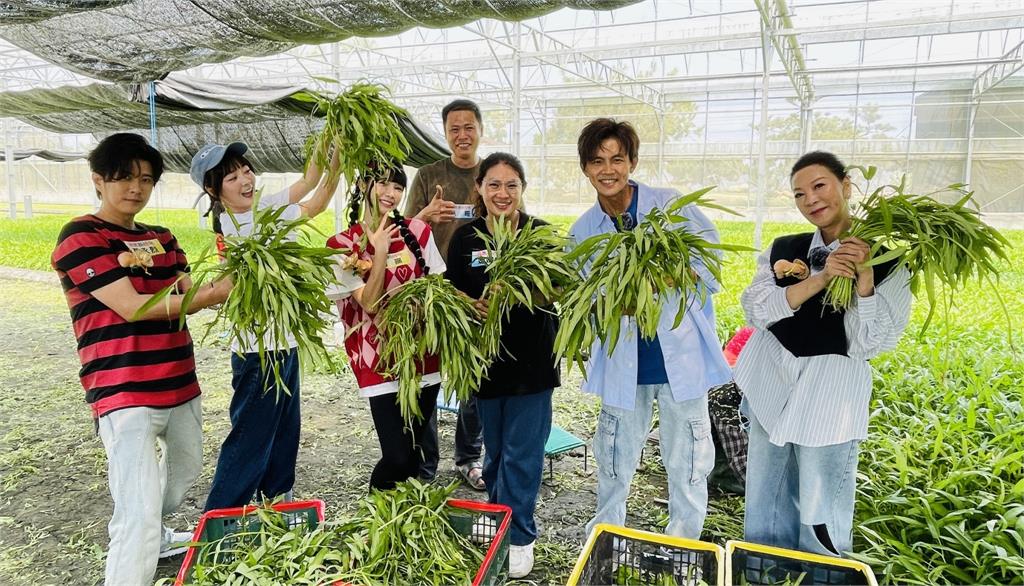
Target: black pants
400, 453
469, 439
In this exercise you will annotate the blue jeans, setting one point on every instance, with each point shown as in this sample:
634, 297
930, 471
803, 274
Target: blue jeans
800, 497
687, 451
515, 431
258, 456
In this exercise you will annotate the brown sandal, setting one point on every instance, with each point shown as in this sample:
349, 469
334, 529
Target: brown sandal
473, 473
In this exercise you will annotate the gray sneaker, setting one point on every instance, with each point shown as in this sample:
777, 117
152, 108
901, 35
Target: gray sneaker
173, 542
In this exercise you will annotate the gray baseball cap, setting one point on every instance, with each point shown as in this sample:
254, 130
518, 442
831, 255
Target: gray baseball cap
210, 156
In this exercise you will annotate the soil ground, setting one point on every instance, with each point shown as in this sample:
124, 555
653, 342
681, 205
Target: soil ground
54, 503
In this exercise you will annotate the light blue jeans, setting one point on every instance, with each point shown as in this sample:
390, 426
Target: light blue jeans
800, 497
146, 484
687, 451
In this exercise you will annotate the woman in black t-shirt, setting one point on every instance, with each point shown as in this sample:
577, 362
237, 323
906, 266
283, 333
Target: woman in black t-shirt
514, 400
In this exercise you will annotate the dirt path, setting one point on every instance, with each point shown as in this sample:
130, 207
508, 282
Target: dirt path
54, 503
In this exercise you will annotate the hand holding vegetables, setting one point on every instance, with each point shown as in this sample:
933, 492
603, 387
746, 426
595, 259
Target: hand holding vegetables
940, 242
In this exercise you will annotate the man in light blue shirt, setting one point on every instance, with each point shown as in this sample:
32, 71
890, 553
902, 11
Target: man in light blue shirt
676, 368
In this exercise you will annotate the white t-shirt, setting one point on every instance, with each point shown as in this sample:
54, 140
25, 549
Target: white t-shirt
244, 220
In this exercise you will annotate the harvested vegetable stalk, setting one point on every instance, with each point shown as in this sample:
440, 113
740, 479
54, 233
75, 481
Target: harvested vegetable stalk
363, 127
526, 265
633, 273
272, 554
940, 242
401, 536
429, 316
279, 290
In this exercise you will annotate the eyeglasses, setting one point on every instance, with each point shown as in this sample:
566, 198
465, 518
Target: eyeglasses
511, 188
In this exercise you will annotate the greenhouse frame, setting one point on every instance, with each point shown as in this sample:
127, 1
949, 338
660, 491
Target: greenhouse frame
724, 93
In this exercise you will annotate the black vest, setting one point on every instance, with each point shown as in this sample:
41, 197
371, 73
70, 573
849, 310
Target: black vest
814, 329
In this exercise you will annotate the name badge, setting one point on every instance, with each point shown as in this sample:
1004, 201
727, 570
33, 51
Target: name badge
465, 211
399, 259
479, 258
150, 247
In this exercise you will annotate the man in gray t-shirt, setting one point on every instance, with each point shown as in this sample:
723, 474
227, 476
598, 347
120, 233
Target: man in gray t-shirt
435, 196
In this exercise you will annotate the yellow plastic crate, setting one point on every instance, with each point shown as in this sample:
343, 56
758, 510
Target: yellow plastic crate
617, 555
755, 564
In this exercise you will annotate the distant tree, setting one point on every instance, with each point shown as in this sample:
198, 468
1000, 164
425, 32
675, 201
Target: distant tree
832, 127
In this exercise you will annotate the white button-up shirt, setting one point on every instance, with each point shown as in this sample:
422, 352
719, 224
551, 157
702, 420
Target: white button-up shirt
816, 400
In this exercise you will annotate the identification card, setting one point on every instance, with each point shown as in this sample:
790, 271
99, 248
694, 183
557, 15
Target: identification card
150, 247
399, 259
465, 211
479, 258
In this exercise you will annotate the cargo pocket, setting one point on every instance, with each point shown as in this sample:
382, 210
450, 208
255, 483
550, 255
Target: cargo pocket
703, 451
604, 443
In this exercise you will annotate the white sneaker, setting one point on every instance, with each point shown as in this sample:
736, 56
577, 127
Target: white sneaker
520, 560
483, 531
173, 542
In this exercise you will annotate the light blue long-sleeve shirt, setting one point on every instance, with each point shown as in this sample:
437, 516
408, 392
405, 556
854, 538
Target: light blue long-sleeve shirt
693, 354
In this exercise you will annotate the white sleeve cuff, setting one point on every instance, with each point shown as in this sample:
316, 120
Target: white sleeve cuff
777, 307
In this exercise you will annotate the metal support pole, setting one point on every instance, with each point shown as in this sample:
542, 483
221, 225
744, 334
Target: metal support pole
972, 114
516, 87
339, 202
806, 127
543, 153
9, 159
762, 163
153, 138
661, 144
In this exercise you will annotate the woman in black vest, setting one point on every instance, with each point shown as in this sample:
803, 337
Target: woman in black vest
514, 399
804, 373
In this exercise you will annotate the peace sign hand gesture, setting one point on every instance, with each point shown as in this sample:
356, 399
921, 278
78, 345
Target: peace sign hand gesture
382, 237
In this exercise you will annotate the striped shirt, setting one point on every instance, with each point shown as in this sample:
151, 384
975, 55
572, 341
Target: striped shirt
147, 363
816, 400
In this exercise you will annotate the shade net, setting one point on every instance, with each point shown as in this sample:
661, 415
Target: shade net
142, 40
191, 113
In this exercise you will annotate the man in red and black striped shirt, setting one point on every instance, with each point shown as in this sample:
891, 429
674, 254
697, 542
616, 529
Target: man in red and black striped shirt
138, 370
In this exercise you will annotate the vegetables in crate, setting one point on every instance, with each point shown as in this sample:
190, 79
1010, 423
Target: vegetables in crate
401, 536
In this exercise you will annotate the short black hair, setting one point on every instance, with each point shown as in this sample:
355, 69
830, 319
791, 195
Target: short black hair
461, 106
823, 158
498, 158
601, 129
116, 155
396, 175
214, 178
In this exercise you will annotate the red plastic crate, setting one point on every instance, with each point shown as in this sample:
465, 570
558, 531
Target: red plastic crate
219, 522
483, 523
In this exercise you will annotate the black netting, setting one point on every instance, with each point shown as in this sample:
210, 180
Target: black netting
142, 40
191, 113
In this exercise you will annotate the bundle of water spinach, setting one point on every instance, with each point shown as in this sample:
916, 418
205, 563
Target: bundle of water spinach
427, 317
527, 267
942, 245
631, 273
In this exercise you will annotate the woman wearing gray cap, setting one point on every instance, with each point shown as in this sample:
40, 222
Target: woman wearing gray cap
258, 456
